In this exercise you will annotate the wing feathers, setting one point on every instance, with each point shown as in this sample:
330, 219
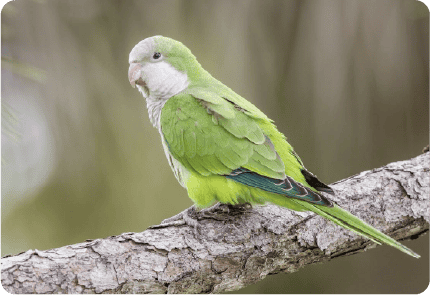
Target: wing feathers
288, 186
191, 133
210, 135
316, 183
190, 147
266, 149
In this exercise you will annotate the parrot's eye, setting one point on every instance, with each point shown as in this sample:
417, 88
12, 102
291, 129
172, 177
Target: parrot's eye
156, 55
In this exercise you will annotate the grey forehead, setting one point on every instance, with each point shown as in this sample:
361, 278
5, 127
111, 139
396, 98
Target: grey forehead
142, 49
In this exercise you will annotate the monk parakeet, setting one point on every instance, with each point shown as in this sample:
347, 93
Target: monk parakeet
220, 146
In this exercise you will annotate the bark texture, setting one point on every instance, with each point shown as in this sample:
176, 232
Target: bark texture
228, 255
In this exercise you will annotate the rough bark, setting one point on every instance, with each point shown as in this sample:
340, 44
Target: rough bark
228, 255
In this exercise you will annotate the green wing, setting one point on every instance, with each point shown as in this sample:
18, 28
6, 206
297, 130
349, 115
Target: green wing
209, 135
212, 135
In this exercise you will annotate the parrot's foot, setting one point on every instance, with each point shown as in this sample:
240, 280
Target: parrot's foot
224, 212
191, 216
176, 220
187, 217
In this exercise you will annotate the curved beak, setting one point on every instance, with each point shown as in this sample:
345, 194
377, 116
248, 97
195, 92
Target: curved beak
135, 74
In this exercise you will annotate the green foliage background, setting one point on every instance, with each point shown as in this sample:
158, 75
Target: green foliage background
345, 80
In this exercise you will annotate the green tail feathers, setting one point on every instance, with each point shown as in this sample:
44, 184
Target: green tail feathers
347, 220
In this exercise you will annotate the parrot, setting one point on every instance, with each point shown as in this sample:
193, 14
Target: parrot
221, 148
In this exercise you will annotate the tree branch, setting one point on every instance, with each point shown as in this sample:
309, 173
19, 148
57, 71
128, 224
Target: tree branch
228, 255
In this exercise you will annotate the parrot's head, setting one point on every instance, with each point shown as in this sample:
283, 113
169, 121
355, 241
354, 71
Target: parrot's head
160, 67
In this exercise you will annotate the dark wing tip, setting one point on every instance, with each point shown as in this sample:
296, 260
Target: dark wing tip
313, 181
325, 201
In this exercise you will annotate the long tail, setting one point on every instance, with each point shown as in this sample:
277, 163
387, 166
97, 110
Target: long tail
295, 196
355, 224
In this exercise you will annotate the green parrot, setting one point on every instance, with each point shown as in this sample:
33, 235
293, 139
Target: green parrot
221, 147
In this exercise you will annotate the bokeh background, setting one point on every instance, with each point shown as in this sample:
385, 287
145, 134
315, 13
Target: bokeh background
345, 80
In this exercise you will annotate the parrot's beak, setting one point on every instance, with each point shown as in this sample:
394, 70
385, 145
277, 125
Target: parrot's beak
135, 74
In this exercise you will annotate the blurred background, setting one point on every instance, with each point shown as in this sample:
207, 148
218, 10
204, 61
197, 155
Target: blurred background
345, 80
